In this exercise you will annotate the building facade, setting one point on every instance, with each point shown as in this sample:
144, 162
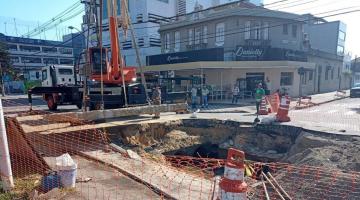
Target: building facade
146, 16
244, 43
28, 56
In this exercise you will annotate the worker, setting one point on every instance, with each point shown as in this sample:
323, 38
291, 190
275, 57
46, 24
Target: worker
259, 94
204, 94
193, 97
235, 94
156, 98
267, 86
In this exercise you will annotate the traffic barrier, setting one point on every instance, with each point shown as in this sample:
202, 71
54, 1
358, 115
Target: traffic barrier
340, 93
304, 101
274, 102
263, 110
232, 185
282, 115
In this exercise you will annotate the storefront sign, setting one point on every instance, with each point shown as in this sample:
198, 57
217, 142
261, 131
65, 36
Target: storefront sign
214, 54
253, 53
249, 53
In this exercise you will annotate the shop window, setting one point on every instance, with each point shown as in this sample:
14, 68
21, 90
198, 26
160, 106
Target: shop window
287, 78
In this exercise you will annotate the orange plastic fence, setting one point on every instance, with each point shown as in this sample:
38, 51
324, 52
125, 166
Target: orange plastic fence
35, 140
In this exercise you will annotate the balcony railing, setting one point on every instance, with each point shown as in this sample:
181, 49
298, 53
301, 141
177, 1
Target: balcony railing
257, 42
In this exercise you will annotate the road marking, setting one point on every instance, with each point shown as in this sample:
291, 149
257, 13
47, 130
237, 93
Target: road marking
350, 113
331, 111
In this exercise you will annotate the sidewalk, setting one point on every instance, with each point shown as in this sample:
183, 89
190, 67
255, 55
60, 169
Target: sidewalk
318, 99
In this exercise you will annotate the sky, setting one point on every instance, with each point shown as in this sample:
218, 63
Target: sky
28, 13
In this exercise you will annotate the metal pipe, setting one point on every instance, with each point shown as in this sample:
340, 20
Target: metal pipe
5, 165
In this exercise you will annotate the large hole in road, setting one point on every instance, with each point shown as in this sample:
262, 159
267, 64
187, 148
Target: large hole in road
266, 143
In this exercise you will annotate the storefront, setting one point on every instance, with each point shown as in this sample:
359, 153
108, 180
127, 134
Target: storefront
223, 75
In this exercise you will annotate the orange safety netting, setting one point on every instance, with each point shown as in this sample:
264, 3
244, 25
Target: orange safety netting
35, 140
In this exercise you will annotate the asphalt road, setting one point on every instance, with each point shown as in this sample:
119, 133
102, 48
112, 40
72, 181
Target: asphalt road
342, 115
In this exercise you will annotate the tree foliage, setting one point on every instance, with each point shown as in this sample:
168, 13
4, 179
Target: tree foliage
5, 61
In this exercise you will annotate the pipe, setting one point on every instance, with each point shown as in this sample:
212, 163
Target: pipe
5, 165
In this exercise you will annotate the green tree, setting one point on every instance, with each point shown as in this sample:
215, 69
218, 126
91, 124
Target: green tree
5, 65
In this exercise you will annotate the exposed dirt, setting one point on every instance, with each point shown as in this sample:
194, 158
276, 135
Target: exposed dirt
263, 143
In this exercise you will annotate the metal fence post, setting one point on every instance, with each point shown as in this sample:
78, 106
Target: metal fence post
5, 165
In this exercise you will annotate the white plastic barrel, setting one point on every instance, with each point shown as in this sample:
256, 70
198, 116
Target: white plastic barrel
67, 170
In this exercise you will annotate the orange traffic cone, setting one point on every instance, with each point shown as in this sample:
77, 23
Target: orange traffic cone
282, 114
263, 110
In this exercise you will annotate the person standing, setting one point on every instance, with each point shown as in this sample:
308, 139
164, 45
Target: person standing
235, 92
156, 98
204, 94
259, 94
193, 97
268, 86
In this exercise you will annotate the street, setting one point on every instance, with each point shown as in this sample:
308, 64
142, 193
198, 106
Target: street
336, 116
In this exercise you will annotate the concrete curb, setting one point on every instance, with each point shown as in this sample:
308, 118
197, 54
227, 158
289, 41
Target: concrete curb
321, 103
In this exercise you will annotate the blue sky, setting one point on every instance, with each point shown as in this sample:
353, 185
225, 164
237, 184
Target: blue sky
29, 12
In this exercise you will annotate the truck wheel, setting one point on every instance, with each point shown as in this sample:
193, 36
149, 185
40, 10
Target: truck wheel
51, 103
79, 105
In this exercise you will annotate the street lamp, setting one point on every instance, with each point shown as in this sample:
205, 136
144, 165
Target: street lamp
72, 28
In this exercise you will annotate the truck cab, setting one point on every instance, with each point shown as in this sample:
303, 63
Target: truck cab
58, 75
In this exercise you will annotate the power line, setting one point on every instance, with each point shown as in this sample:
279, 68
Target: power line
40, 29
281, 24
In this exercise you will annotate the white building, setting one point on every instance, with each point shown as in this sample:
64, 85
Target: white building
146, 16
212, 3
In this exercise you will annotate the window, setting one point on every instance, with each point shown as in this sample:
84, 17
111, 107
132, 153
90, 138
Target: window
14, 59
294, 31
65, 51
29, 48
50, 61
326, 74
31, 60
311, 75
219, 37
66, 62
191, 36
44, 74
285, 29
287, 78
257, 31
63, 71
247, 30
338, 73
12, 47
197, 35
342, 35
49, 50
205, 34
332, 74
167, 42
266, 30
177, 41
304, 78
340, 50
165, 1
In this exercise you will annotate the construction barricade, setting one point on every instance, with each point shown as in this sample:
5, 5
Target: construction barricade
283, 112
263, 108
340, 93
304, 102
232, 185
274, 102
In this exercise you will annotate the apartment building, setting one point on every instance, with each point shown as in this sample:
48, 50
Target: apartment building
244, 44
29, 55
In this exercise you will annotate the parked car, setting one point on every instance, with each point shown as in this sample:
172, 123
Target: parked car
355, 91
